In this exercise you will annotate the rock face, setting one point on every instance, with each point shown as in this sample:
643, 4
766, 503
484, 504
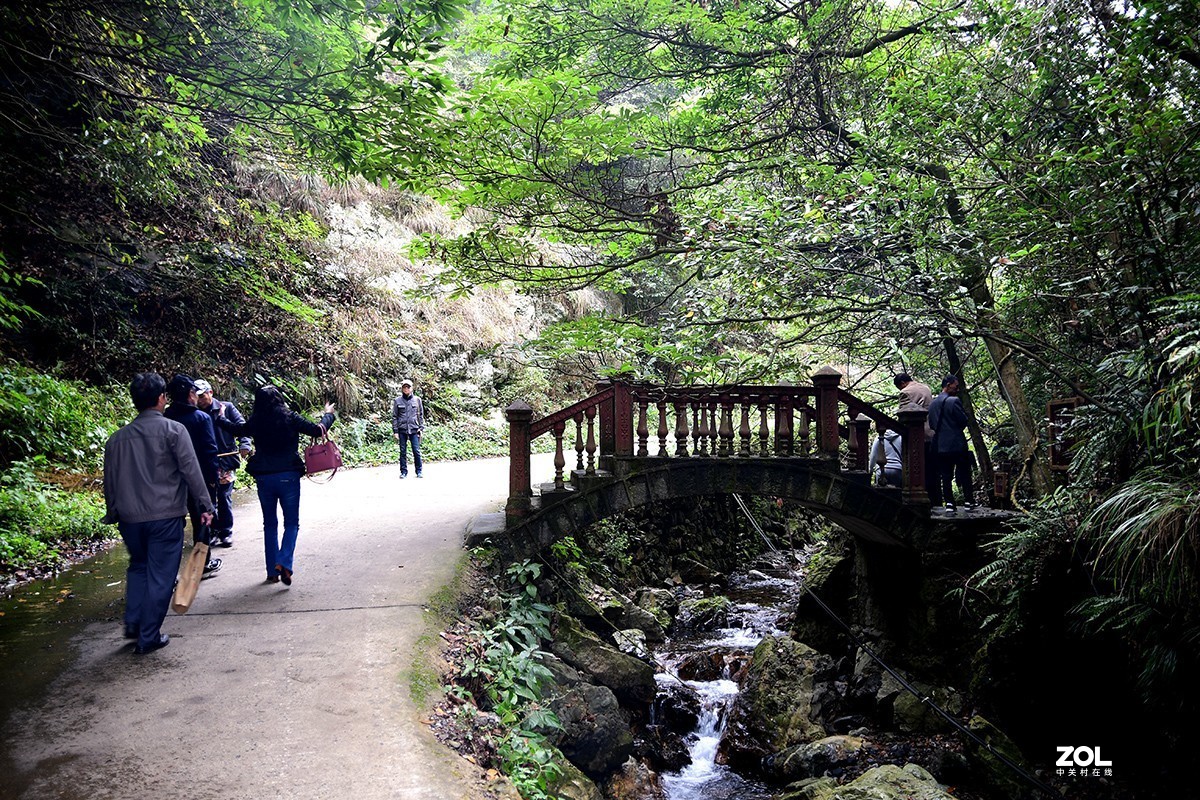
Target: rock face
887, 782
993, 772
781, 704
574, 785
631, 679
595, 735
829, 576
704, 613
814, 759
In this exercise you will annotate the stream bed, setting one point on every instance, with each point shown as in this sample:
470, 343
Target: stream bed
705, 664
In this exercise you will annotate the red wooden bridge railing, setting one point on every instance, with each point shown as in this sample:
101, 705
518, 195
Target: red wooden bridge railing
645, 421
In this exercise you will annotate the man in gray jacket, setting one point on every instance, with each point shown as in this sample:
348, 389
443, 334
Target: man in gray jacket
149, 467
408, 420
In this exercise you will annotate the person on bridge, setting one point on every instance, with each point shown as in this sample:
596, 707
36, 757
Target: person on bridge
885, 458
408, 421
183, 409
150, 467
949, 421
229, 458
915, 393
277, 467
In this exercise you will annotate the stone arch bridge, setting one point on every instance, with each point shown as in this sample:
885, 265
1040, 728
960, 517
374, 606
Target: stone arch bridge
632, 444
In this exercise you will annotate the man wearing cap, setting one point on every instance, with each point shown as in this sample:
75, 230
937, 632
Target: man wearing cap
182, 391
231, 451
408, 420
149, 468
948, 419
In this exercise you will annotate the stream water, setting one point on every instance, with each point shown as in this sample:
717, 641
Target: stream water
760, 598
38, 620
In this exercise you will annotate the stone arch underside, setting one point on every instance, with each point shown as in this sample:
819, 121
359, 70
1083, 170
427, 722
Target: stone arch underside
847, 499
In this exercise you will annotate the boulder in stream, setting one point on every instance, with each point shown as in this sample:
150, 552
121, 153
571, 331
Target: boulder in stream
634, 781
814, 759
662, 603
887, 782
787, 688
595, 734
704, 613
631, 679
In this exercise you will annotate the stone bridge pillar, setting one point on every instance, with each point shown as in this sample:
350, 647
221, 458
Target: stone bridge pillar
826, 380
520, 490
913, 417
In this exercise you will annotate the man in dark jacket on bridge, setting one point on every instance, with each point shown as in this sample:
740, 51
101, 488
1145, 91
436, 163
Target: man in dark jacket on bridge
231, 450
182, 391
948, 419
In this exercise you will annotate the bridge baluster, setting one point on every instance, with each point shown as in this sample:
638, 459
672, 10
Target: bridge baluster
710, 422
860, 430
560, 460
699, 429
764, 433
726, 431
590, 447
662, 428
681, 430
643, 432
783, 427
805, 432
579, 440
744, 429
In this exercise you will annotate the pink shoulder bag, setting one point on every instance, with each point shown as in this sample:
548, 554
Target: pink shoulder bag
322, 456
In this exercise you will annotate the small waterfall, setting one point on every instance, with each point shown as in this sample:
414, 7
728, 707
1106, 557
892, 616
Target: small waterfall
759, 602
704, 778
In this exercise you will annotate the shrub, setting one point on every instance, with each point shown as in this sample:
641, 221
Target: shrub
37, 518
64, 421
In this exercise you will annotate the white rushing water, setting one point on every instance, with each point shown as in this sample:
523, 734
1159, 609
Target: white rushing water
704, 778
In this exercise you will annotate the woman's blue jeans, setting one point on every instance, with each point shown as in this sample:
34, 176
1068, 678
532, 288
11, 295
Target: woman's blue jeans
279, 490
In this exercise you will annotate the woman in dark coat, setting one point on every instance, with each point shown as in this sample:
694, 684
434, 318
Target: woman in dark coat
277, 468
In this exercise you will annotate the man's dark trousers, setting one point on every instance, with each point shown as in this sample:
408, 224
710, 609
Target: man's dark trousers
154, 550
415, 438
223, 524
956, 466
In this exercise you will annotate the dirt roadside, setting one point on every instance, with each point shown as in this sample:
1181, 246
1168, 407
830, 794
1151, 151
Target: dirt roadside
267, 691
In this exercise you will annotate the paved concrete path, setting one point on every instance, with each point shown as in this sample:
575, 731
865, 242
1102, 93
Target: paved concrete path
267, 691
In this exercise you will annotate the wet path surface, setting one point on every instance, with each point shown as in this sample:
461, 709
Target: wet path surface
39, 620
265, 691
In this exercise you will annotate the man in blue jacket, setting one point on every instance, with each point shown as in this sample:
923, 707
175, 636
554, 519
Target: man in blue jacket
230, 452
948, 419
199, 425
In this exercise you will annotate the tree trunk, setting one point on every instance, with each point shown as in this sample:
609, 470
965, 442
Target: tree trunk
981, 451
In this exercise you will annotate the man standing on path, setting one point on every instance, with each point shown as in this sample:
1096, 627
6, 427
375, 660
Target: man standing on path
918, 394
199, 425
408, 420
948, 419
230, 452
149, 468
